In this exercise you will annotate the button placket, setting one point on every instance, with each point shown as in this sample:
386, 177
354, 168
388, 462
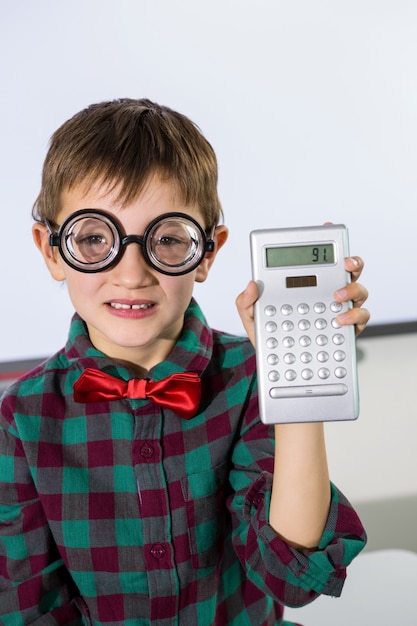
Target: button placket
154, 508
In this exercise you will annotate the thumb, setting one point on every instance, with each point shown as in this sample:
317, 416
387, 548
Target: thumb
245, 306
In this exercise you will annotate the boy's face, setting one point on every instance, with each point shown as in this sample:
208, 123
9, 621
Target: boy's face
133, 312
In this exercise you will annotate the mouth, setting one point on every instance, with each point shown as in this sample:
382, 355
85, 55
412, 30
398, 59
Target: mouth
131, 307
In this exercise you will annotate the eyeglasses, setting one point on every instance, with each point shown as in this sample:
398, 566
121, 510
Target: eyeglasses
92, 241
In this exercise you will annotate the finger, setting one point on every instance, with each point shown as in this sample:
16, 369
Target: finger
355, 292
354, 265
248, 297
359, 317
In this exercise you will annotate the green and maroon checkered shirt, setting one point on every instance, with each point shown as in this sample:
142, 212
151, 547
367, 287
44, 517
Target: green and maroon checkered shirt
124, 513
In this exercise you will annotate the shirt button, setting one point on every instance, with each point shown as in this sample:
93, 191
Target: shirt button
146, 451
158, 551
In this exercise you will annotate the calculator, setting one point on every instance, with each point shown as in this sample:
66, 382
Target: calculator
306, 361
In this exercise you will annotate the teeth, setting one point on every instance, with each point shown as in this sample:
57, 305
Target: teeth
119, 305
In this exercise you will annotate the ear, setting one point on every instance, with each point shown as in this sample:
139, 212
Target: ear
220, 236
52, 259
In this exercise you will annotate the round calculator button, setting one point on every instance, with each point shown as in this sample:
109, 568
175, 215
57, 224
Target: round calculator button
304, 324
322, 356
272, 359
305, 341
307, 374
270, 310
339, 355
289, 358
321, 340
324, 373
336, 324
336, 307
273, 376
303, 308
286, 309
288, 342
338, 339
290, 375
306, 357
319, 307
340, 372
320, 324
270, 327
271, 343
287, 326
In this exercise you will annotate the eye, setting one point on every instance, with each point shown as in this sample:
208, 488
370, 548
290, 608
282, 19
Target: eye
91, 240
91, 245
170, 240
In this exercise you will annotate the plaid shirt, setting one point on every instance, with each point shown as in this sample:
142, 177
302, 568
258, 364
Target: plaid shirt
124, 513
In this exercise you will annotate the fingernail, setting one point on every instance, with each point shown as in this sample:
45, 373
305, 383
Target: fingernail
342, 317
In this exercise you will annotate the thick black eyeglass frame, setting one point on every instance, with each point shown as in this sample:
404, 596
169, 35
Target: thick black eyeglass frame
56, 240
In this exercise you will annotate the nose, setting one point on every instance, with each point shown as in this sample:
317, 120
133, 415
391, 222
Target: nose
132, 270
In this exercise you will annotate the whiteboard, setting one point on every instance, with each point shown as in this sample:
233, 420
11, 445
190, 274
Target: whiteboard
311, 108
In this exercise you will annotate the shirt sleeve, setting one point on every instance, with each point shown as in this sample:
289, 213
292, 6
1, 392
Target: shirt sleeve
35, 586
290, 576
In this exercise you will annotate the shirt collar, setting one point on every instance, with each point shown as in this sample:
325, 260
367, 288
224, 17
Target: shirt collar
191, 353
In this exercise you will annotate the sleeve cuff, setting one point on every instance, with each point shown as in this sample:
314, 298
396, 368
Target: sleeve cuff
321, 570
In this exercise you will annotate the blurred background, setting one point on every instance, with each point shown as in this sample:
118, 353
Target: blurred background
310, 107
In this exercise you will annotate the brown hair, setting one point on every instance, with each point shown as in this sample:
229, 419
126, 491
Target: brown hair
123, 143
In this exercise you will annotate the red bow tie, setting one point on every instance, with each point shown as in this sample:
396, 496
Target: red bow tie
180, 392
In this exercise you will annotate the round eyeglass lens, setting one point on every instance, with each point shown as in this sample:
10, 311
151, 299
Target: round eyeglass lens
90, 242
175, 244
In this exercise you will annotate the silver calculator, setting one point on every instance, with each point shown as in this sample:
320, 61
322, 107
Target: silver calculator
306, 362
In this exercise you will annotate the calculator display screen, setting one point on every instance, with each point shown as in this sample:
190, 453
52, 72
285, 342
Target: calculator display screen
290, 256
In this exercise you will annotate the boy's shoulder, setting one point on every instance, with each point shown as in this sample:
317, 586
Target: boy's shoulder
223, 337
234, 347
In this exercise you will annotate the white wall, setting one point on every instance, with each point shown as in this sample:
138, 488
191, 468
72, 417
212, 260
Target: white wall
373, 460
309, 105
375, 456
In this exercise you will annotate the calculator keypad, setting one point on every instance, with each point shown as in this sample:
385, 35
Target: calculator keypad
304, 344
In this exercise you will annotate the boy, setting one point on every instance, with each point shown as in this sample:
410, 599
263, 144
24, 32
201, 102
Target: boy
154, 501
